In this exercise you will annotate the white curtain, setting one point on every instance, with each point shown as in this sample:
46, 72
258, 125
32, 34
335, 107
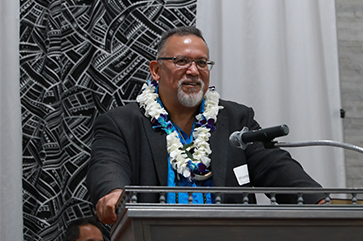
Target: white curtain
11, 217
280, 57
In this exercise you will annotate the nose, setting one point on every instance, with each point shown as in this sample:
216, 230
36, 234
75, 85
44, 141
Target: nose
193, 69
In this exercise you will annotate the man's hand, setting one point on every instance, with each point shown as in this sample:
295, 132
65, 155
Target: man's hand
322, 201
106, 207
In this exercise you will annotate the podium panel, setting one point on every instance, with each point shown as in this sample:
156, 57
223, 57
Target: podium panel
180, 222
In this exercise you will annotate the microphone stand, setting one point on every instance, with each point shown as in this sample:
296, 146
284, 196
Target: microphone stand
239, 140
314, 143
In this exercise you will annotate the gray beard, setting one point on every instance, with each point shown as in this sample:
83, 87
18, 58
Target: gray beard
190, 99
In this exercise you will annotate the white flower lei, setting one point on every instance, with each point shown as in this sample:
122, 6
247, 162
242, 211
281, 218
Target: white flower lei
178, 154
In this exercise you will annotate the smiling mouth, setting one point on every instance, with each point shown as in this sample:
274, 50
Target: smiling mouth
190, 83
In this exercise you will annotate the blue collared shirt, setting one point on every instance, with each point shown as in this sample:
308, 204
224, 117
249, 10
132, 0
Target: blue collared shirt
198, 198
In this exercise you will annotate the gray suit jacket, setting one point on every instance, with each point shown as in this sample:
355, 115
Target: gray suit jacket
128, 151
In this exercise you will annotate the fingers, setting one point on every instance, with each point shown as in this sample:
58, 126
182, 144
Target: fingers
322, 201
106, 207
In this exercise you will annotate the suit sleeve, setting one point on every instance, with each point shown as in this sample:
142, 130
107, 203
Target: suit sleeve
110, 166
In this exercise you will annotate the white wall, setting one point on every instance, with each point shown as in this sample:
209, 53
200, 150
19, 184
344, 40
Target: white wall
11, 216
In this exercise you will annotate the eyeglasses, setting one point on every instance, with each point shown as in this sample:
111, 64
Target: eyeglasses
184, 63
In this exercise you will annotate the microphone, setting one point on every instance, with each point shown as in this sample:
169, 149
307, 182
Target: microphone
240, 139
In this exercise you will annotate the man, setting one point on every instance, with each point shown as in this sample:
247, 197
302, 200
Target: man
177, 135
85, 229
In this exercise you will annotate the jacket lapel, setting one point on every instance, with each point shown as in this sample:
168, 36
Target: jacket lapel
219, 145
157, 142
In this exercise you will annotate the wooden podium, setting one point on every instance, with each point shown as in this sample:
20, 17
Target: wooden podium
226, 222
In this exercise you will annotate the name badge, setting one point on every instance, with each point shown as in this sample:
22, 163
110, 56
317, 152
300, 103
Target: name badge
241, 174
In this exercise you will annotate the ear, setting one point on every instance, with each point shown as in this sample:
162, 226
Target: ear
154, 69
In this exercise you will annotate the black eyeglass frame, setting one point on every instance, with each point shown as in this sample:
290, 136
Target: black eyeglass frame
210, 63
